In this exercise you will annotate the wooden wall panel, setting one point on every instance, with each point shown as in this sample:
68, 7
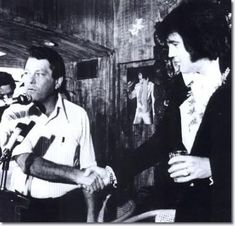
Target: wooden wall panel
89, 19
140, 46
96, 96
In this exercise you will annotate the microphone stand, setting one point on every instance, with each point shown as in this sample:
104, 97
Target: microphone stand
21, 132
11, 202
5, 161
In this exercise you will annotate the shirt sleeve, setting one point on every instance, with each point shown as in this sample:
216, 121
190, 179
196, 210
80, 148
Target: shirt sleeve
87, 154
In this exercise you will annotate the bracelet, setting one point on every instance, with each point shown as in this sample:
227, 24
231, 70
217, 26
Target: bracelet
112, 177
211, 181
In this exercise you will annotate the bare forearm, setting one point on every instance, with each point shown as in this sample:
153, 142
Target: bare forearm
91, 207
47, 170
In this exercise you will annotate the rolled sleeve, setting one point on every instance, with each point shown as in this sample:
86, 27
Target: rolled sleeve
87, 154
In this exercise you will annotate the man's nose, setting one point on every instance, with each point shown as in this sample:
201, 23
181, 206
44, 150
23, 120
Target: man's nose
31, 78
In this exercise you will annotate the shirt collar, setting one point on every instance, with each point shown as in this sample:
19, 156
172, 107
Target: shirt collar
198, 83
59, 108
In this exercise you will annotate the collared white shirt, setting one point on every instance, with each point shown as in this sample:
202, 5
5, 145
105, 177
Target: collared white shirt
193, 108
59, 136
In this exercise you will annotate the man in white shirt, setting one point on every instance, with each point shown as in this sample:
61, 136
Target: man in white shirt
49, 162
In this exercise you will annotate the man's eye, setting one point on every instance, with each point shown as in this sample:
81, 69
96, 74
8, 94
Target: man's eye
175, 44
40, 74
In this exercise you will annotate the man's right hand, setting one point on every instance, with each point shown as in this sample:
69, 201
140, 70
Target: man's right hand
102, 172
91, 183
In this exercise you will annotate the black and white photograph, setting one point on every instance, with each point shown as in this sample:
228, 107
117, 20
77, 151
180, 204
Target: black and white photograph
116, 111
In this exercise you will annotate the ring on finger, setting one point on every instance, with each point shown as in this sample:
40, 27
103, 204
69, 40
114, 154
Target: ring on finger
186, 172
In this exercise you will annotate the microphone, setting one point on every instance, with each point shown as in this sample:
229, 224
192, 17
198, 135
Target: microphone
21, 99
20, 132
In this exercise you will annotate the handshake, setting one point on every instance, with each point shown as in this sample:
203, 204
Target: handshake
96, 178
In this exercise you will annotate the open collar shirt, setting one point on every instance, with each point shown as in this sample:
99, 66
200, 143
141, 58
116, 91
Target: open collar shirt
193, 108
63, 137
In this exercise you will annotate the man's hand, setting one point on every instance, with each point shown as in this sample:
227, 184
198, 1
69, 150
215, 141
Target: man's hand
91, 183
186, 168
130, 86
102, 172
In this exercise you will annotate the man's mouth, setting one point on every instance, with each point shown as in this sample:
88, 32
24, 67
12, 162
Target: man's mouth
176, 63
31, 89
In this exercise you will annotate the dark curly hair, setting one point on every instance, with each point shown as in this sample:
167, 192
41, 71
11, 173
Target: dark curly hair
203, 27
7, 79
56, 61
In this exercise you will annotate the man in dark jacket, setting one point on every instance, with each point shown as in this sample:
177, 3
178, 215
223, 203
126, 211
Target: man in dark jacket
198, 120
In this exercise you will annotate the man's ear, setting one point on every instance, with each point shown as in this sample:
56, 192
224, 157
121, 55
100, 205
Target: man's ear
58, 82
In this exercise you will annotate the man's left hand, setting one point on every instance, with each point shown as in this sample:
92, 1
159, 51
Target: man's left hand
186, 168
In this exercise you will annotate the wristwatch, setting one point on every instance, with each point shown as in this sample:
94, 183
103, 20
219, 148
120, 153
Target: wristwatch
112, 177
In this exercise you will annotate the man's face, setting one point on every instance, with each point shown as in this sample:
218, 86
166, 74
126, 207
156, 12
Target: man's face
179, 55
38, 79
5, 92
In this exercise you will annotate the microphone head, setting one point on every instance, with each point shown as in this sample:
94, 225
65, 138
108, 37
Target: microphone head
24, 99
